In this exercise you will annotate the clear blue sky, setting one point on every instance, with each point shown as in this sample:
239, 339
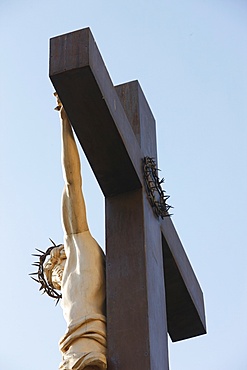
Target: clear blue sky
190, 58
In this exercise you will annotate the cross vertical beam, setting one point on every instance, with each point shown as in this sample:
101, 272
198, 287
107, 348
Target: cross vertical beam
136, 292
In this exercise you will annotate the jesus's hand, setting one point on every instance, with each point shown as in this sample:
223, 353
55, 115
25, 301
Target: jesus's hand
60, 108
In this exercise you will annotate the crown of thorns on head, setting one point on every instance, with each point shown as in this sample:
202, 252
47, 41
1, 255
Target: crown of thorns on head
46, 286
156, 194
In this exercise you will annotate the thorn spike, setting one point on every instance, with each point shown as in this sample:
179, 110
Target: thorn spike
39, 250
52, 242
34, 279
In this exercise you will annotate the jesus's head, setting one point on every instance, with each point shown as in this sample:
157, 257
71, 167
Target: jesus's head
54, 267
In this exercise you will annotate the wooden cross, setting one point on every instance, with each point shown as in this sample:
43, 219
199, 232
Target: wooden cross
151, 287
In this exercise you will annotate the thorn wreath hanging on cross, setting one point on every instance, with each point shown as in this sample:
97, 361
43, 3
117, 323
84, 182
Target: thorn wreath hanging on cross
154, 190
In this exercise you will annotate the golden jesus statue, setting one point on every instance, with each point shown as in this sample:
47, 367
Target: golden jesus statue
77, 268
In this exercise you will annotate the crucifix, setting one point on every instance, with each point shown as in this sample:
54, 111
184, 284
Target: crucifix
151, 288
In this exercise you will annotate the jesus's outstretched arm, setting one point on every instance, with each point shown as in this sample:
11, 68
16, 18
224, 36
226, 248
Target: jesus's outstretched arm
73, 206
